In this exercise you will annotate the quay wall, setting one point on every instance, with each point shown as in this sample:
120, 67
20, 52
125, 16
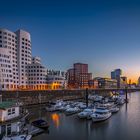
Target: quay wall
40, 97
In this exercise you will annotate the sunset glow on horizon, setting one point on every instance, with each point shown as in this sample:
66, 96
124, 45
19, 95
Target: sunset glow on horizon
105, 35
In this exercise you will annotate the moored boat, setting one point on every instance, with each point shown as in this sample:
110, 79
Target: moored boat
104, 105
18, 137
63, 108
40, 123
114, 109
85, 113
121, 101
71, 111
100, 115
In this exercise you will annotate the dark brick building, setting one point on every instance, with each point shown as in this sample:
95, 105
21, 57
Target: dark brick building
78, 76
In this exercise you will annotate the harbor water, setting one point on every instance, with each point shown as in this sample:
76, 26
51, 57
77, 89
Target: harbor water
123, 125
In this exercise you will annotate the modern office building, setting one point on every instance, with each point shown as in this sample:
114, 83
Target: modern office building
71, 78
106, 83
24, 55
56, 72
19, 71
116, 74
56, 79
78, 76
36, 75
6, 76
17, 47
138, 82
93, 84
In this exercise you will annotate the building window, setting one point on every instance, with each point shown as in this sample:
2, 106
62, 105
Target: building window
13, 110
9, 129
9, 34
9, 111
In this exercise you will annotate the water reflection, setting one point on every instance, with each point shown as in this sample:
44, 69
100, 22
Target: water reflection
126, 107
56, 119
88, 129
123, 125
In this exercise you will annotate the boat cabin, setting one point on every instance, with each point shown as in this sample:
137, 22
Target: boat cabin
8, 110
10, 128
101, 111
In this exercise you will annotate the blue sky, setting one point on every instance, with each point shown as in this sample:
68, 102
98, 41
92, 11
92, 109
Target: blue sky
103, 33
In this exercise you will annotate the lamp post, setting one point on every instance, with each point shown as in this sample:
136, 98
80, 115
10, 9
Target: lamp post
126, 90
87, 97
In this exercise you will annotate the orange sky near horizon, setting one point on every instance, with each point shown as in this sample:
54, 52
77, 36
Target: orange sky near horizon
133, 76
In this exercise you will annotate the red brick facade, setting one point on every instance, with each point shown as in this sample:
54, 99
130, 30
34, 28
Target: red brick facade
78, 76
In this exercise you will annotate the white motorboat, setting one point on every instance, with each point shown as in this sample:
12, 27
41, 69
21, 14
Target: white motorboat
114, 109
90, 97
32, 130
55, 106
97, 98
104, 105
100, 115
71, 111
121, 101
81, 105
50, 108
64, 108
18, 137
85, 113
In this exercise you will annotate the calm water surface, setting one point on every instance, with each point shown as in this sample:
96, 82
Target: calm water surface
124, 125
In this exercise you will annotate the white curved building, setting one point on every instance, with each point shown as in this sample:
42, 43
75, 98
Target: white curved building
36, 75
6, 76
24, 55
17, 46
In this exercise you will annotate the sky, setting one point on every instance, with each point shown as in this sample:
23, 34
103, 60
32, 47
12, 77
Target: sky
103, 33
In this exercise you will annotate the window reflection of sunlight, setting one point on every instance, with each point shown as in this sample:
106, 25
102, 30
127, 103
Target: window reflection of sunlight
56, 119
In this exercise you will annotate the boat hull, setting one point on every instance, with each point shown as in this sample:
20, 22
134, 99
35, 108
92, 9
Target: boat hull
70, 113
95, 119
82, 116
42, 127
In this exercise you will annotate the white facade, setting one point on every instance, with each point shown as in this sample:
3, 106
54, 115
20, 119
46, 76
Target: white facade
36, 60
56, 72
18, 70
8, 40
57, 79
9, 113
36, 74
6, 76
9, 128
17, 45
24, 55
